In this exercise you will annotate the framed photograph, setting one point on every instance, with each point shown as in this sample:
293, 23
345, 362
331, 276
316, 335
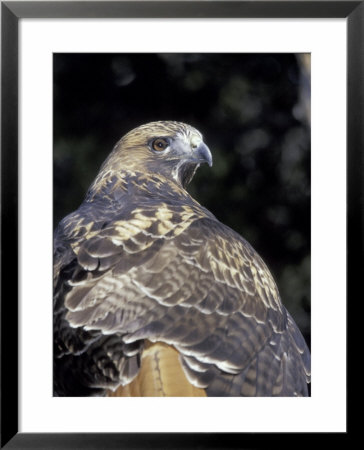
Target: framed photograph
275, 90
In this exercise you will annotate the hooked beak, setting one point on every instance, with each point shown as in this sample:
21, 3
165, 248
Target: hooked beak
189, 161
202, 154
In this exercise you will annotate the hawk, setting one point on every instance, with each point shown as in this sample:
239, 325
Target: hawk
153, 296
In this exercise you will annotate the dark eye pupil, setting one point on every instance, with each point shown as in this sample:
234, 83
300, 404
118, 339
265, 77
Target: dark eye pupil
160, 144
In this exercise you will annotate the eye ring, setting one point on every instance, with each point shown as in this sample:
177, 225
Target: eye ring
159, 144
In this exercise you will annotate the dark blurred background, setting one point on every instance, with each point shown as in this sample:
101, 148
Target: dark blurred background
254, 113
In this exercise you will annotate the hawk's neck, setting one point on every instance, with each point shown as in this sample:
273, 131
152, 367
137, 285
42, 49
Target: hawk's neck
119, 185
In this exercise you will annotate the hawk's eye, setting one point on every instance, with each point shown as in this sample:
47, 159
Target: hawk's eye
159, 144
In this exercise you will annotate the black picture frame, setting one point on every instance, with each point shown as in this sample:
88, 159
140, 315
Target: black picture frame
11, 12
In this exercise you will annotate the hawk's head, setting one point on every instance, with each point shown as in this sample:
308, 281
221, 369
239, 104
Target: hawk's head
172, 149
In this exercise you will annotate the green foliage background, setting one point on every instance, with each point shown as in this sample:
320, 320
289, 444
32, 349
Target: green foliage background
253, 110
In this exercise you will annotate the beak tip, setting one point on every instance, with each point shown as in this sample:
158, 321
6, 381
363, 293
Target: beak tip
205, 154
